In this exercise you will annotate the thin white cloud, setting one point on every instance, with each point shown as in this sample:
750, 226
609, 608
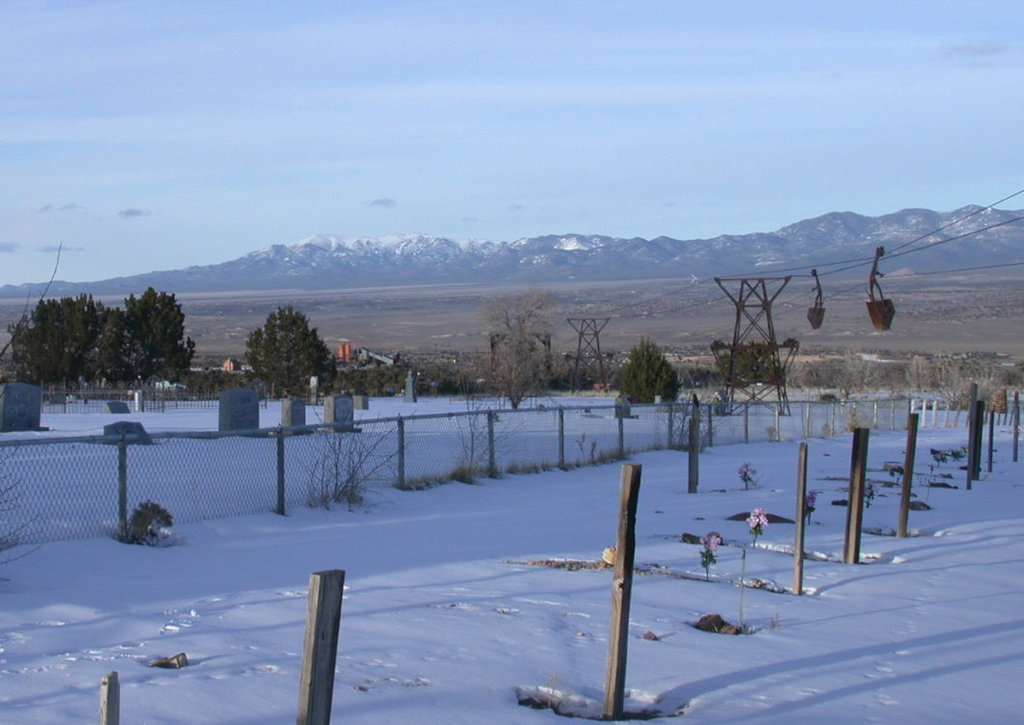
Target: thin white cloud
977, 50
54, 248
133, 213
9, 247
384, 203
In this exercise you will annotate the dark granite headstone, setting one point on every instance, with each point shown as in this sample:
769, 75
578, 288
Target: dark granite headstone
338, 410
293, 412
117, 407
21, 406
239, 410
132, 431
360, 402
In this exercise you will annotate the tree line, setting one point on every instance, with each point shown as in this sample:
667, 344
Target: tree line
73, 339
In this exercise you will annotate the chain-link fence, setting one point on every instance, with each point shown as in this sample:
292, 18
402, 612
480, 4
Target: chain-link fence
66, 488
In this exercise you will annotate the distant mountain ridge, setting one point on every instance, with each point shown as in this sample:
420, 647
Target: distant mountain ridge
329, 261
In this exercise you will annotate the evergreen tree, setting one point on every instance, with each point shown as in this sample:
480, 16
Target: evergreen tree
286, 352
647, 373
58, 343
154, 342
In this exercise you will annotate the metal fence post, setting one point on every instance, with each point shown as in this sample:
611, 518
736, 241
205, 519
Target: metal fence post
561, 437
401, 451
492, 464
280, 471
122, 489
801, 519
693, 454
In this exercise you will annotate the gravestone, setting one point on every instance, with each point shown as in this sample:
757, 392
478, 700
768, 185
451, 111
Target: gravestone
21, 406
239, 410
338, 410
410, 388
132, 431
360, 402
117, 407
293, 412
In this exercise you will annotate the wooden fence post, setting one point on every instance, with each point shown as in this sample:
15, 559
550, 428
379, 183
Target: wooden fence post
801, 517
110, 700
622, 585
711, 426
972, 425
693, 454
977, 434
746, 422
280, 472
855, 507
908, 476
320, 647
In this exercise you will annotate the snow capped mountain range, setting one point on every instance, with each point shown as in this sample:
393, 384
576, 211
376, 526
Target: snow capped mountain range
921, 240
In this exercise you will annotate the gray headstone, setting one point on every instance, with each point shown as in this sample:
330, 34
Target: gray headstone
21, 406
360, 402
117, 407
293, 412
239, 410
132, 431
338, 410
410, 388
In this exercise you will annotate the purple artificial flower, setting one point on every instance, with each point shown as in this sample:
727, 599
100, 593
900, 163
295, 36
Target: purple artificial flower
757, 520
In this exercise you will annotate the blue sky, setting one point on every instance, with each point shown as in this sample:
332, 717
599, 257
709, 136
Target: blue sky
158, 135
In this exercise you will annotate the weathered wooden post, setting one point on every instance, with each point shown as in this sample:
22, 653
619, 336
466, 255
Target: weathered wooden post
622, 585
746, 422
693, 454
977, 436
801, 518
280, 472
972, 425
122, 489
855, 507
711, 426
110, 700
320, 647
908, 475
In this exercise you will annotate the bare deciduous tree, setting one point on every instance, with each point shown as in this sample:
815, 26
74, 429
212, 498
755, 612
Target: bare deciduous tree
520, 338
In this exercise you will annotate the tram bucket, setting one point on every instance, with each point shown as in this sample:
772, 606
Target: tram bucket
881, 312
815, 315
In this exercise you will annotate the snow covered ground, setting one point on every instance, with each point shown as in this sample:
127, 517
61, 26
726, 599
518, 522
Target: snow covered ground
445, 618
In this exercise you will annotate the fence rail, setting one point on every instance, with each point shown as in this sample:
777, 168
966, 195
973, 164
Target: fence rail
67, 488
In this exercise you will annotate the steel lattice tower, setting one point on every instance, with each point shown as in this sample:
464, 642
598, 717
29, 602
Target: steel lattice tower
588, 349
755, 363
